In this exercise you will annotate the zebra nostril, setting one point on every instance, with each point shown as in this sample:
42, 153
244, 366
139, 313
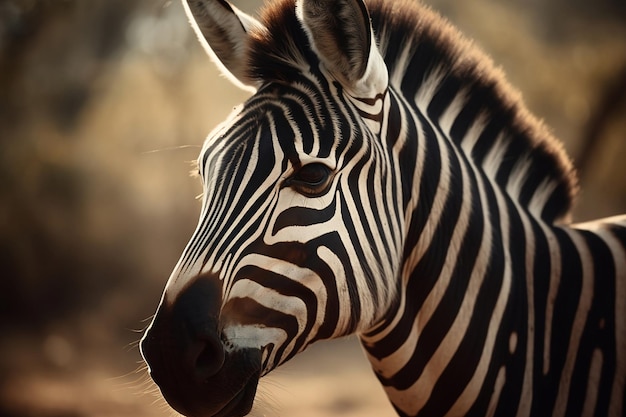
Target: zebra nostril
205, 357
194, 323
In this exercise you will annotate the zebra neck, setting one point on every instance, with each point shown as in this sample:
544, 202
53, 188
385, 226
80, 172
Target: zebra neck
464, 339
453, 261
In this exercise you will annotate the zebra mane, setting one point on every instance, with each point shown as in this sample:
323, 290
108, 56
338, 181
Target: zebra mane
417, 45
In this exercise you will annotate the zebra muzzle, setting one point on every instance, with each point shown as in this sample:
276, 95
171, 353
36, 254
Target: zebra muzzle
188, 360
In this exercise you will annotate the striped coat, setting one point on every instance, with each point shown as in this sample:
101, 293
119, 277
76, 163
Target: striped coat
385, 180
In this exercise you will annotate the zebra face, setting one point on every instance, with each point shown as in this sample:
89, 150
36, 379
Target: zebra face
271, 267
288, 236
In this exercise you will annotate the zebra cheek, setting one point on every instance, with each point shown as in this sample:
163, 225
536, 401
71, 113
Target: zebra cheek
248, 324
257, 316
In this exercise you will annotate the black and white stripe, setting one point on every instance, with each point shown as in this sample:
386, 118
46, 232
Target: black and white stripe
411, 200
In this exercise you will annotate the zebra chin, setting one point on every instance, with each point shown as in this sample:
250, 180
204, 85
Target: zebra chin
189, 361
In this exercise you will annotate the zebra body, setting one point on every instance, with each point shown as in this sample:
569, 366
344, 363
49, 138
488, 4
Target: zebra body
384, 180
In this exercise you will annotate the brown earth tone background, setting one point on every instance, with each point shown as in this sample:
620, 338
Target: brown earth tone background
104, 103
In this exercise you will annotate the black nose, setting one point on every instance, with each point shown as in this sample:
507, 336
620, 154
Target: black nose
183, 347
205, 355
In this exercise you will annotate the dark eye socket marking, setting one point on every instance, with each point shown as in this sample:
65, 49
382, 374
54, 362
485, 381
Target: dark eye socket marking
311, 180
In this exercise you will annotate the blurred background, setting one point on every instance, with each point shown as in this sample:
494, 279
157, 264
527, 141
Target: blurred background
104, 103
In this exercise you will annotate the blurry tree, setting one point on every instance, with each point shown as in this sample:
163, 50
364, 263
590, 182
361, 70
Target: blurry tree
611, 106
51, 54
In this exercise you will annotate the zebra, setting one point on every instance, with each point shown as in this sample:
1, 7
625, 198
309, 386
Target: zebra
385, 180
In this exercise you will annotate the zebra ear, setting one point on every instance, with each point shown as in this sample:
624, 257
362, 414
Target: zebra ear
341, 34
223, 31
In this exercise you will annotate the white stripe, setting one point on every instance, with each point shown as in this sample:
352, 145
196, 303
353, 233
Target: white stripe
451, 113
582, 311
495, 157
401, 63
472, 389
473, 133
527, 384
591, 396
619, 257
428, 88
497, 390
553, 289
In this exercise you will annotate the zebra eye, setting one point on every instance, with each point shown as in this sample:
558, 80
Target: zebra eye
311, 180
312, 174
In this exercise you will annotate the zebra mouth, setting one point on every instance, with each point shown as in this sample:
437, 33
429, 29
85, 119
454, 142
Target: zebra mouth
189, 360
212, 400
228, 393
241, 404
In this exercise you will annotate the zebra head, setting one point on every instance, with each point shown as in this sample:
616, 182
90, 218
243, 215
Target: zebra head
300, 216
